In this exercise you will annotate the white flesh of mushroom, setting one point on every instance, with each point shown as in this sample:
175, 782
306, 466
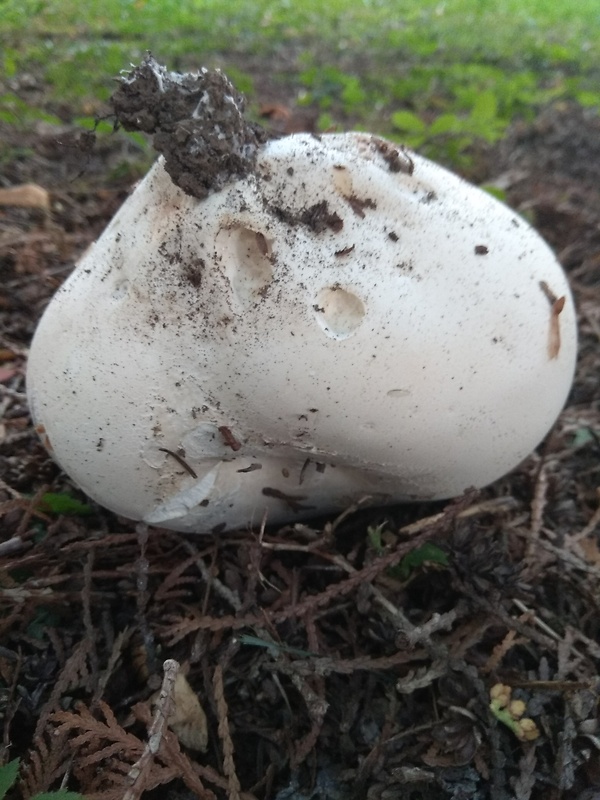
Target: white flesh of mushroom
324, 329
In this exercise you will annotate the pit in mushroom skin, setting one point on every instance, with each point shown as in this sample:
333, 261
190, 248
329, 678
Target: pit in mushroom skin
347, 319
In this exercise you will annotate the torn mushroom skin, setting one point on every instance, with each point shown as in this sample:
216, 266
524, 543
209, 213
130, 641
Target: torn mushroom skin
343, 319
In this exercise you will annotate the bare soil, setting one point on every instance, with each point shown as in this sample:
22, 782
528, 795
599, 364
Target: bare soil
329, 668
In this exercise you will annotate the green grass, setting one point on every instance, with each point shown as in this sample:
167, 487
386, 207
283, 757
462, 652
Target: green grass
438, 75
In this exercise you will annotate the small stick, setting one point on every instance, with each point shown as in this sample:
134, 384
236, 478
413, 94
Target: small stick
591, 525
229, 438
537, 621
164, 707
12, 545
233, 791
538, 506
179, 460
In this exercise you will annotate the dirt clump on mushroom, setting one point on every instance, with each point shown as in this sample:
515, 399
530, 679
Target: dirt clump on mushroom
196, 120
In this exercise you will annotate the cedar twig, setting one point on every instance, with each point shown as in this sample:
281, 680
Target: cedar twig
567, 555
73, 674
317, 708
86, 599
423, 677
12, 704
331, 527
191, 773
591, 526
49, 759
139, 771
565, 650
223, 591
107, 673
500, 650
315, 700
538, 505
327, 665
225, 736
30, 511
142, 596
537, 620
524, 783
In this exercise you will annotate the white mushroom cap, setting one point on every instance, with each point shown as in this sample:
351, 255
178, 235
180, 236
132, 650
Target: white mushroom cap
347, 320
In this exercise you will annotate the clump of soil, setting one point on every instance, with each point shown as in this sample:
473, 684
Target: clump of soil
197, 122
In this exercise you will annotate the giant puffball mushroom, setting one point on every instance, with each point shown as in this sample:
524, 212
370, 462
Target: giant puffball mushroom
284, 327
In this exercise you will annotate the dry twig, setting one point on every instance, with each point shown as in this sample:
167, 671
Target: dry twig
138, 773
225, 736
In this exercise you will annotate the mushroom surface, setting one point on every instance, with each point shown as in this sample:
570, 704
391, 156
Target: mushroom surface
347, 319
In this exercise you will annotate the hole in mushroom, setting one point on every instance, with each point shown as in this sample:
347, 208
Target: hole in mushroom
339, 312
247, 259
